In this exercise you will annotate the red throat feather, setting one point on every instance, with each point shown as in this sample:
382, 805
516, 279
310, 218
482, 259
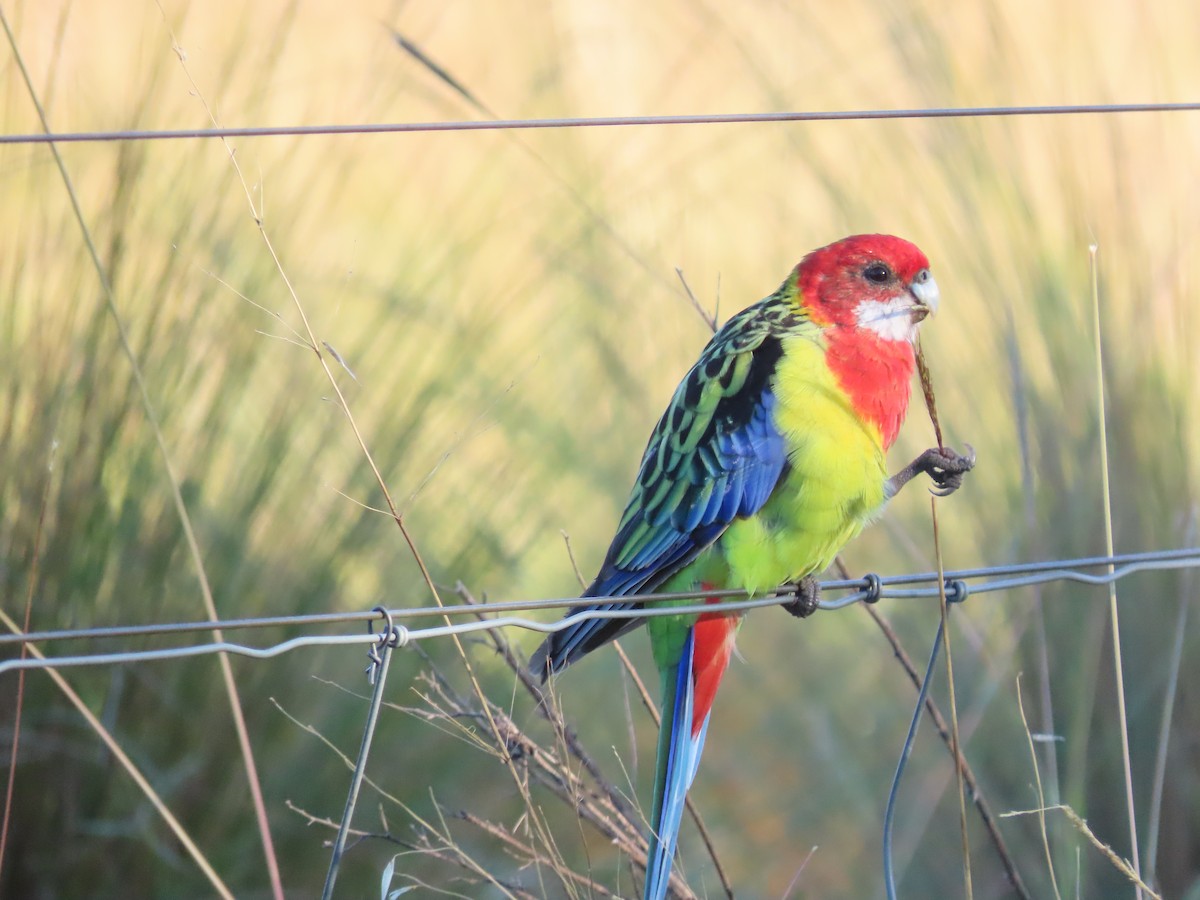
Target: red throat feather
832, 286
875, 374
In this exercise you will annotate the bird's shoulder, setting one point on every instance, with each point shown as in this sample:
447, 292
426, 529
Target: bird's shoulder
732, 377
772, 318
715, 453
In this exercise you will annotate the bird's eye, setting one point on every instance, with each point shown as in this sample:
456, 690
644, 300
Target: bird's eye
878, 273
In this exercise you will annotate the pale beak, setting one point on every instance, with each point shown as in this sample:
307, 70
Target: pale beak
925, 291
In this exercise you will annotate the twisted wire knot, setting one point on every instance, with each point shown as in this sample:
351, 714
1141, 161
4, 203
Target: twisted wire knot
872, 587
392, 636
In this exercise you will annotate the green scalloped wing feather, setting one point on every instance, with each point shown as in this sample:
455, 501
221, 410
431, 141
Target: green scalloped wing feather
715, 455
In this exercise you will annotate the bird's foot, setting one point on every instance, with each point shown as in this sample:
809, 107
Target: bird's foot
944, 466
808, 597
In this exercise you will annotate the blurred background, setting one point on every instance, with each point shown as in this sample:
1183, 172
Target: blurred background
509, 307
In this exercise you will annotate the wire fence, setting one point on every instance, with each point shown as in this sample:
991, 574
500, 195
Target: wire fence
959, 583
853, 115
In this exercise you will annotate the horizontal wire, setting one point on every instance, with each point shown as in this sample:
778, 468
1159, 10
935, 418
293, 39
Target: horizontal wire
333, 618
1083, 562
1184, 556
598, 122
404, 636
1035, 573
452, 609
1005, 584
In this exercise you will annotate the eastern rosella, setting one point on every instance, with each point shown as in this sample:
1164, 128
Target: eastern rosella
769, 458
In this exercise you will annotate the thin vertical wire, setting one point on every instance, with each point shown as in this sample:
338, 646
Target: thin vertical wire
1164, 729
889, 872
956, 743
380, 672
1164, 736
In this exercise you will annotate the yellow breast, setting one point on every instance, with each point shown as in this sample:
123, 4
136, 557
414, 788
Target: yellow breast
835, 485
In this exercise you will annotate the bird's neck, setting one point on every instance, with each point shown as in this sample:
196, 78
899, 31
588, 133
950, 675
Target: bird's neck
875, 374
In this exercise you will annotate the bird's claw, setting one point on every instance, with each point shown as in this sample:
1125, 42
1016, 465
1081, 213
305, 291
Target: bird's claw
946, 467
807, 597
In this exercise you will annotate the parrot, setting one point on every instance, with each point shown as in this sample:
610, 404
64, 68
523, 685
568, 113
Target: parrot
769, 458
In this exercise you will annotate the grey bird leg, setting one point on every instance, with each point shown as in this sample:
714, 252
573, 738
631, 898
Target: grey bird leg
945, 466
808, 595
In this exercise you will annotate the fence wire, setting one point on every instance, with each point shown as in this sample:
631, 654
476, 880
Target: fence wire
957, 112
960, 584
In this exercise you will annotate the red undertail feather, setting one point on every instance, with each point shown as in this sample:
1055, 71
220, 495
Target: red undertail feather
712, 646
689, 688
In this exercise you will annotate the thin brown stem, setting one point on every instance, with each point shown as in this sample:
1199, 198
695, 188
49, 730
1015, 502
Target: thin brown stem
16, 738
1113, 608
1121, 865
428, 827
710, 319
231, 691
506, 837
448, 854
123, 759
1037, 776
315, 346
927, 390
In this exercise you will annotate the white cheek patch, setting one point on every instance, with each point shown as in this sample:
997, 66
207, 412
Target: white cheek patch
891, 319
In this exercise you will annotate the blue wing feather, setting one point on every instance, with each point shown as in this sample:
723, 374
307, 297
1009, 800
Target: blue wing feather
715, 456
751, 458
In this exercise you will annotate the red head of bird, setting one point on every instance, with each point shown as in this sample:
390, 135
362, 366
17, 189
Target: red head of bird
872, 281
870, 292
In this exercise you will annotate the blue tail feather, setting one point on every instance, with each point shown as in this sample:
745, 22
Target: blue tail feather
681, 753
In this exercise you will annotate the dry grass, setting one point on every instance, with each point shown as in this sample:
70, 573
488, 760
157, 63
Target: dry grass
509, 307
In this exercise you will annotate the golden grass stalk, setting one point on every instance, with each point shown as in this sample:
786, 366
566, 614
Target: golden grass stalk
1113, 612
185, 519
